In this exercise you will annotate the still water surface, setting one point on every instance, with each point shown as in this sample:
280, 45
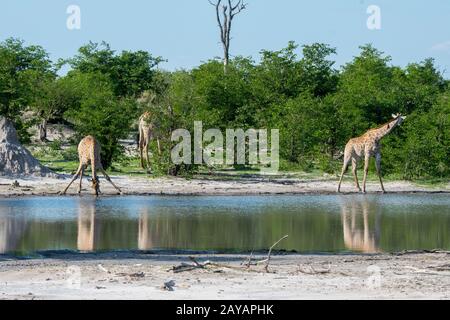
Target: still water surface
317, 223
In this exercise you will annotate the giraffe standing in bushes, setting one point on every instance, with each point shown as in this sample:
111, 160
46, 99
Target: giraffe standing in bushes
89, 154
367, 145
146, 133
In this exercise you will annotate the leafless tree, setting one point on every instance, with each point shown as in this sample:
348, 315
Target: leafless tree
226, 10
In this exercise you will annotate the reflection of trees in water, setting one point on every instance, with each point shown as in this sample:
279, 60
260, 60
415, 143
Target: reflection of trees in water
356, 222
223, 230
88, 226
312, 228
169, 230
12, 229
330, 224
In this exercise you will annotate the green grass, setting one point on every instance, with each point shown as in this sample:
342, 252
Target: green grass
66, 161
131, 168
60, 166
432, 182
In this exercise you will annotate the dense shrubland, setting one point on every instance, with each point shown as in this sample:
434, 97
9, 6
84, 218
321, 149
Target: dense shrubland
316, 106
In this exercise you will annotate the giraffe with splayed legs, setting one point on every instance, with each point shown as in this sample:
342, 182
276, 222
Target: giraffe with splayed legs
89, 154
367, 146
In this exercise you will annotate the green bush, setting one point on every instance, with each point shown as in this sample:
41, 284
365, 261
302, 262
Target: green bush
55, 145
70, 154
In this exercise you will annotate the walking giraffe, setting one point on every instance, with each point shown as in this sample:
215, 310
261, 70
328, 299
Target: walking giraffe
89, 154
146, 133
367, 145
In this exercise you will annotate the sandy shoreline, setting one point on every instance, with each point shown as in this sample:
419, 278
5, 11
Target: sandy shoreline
205, 186
142, 276
139, 275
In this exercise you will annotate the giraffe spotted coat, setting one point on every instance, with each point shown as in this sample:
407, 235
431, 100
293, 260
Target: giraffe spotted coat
365, 147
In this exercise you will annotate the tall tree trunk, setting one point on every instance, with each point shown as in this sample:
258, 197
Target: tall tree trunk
43, 131
226, 59
229, 11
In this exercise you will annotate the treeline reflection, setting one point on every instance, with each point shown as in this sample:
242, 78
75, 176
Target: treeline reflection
355, 224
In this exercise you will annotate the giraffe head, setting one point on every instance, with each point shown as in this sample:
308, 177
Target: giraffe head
399, 117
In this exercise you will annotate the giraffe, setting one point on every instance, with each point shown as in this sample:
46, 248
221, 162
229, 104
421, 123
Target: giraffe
89, 153
146, 133
367, 145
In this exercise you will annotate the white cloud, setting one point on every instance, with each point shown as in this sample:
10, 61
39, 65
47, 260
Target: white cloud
443, 46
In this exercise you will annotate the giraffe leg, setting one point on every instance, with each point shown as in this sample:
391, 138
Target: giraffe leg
95, 181
147, 161
344, 170
73, 179
378, 166
141, 149
81, 178
141, 156
355, 173
366, 170
109, 180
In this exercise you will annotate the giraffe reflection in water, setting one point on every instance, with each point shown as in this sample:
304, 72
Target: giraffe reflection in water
145, 242
88, 226
361, 233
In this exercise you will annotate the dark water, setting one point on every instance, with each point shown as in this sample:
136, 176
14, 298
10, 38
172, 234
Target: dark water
333, 223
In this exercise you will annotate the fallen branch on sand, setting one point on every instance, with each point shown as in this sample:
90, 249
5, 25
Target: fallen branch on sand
249, 261
183, 267
267, 261
189, 267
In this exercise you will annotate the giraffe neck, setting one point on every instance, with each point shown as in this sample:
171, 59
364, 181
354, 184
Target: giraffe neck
386, 129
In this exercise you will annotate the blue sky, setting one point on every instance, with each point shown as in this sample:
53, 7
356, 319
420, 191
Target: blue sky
185, 32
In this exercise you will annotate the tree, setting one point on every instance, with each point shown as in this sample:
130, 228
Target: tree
109, 85
52, 99
220, 95
365, 91
130, 73
278, 76
318, 75
423, 148
22, 68
418, 86
98, 112
229, 12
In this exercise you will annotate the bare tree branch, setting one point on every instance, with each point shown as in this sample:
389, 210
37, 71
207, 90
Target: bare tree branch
219, 22
229, 11
267, 261
237, 8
